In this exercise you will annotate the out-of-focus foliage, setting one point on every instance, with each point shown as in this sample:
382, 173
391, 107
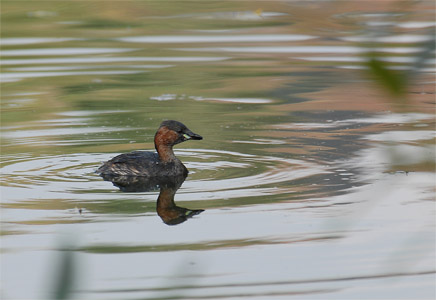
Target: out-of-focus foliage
396, 81
393, 81
64, 281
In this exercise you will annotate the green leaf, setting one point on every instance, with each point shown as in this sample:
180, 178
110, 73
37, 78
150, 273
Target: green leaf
392, 81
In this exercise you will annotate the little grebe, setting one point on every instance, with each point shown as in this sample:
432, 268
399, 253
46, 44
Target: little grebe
161, 164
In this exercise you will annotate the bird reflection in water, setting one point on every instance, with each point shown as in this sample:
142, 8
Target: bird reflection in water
168, 211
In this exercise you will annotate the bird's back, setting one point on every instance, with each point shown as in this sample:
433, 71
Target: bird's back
141, 163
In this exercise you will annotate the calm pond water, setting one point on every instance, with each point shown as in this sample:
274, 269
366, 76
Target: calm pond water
315, 181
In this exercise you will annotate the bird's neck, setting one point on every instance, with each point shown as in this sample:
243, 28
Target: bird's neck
166, 153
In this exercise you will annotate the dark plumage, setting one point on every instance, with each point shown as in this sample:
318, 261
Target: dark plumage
161, 164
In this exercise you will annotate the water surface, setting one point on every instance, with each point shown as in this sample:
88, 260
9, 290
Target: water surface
316, 183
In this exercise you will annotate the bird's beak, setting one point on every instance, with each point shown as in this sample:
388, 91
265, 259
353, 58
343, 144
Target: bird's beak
190, 135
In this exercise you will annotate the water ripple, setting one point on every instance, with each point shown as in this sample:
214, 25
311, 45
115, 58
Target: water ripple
213, 175
217, 39
63, 51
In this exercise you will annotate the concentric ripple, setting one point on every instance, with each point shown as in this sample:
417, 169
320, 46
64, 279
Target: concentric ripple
226, 174
213, 175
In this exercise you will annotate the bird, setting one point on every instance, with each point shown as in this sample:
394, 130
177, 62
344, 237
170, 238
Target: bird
162, 163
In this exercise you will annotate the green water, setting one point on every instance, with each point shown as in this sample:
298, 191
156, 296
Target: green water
316, 175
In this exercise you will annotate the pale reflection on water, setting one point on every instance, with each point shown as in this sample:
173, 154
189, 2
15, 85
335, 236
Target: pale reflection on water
314, 183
